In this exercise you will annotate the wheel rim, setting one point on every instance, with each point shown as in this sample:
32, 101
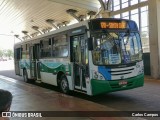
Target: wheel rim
64, 85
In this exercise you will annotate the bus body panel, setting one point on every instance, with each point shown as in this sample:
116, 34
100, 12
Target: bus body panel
50, 68
98, 78
102, 80
25, 64
105, 86
49, 78
121, 73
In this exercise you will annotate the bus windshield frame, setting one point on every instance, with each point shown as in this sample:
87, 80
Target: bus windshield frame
116, 47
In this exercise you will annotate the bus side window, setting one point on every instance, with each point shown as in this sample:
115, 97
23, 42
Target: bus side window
18, 53
53, 47
46, 48
60, 46
24, 51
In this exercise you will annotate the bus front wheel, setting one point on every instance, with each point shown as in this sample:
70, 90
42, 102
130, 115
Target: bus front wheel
64, 84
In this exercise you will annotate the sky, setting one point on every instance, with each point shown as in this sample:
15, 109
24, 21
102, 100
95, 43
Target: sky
6, 42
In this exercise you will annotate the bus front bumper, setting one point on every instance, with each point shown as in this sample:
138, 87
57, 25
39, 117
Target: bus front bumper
105, 86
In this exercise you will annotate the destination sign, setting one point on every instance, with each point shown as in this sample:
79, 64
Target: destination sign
113, 25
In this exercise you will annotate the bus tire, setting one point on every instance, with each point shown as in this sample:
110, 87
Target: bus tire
25, 76
64, 86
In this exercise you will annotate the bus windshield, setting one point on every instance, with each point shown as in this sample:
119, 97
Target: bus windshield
111, 48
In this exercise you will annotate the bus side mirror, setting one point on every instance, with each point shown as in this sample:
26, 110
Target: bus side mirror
90, 44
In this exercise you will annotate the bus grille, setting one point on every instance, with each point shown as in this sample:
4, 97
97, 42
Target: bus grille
121, 72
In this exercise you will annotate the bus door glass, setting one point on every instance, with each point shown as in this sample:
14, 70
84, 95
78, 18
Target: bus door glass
79, 61
35, 64
32, 62
37, 55
17, 54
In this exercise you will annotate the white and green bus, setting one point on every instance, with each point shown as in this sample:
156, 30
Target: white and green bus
94, 56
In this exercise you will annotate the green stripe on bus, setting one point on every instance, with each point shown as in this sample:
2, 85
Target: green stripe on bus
104, 86
25, 65
55, 69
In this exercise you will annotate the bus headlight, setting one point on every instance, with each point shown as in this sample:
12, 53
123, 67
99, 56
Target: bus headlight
140, 68
96, 75
141, 71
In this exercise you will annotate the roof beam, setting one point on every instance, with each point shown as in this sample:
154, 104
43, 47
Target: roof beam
51, 22
73, 14
36, 28
26, 33
17, 36
92, 6
105, 4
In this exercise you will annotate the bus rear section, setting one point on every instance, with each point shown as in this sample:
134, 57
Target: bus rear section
116, 56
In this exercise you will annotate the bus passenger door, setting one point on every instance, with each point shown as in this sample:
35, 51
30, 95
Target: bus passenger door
35, 64
32, 62
37, 55
17, 57
78, 51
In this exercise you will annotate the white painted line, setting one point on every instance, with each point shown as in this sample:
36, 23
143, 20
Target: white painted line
8, 79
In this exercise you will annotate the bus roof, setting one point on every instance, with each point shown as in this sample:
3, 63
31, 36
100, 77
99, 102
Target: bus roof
65, 28
93, 23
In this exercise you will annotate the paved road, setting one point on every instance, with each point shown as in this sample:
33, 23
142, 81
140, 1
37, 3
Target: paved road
140, 99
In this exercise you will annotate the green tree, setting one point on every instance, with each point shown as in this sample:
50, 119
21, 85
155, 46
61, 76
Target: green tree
4, 53
9, 53
1, 53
